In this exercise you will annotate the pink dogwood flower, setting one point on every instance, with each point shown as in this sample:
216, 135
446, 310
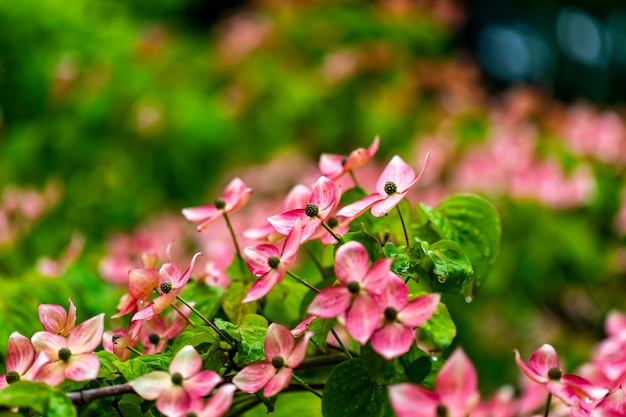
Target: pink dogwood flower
171, 282
334, 166
325, 197
543, 368
70, 358
392, 186
236, 195
141, 285
56, 320
175, 390
216, 406
22, 362
156, 332
355, 296
455, 393
400, 318
282, 355
270, 265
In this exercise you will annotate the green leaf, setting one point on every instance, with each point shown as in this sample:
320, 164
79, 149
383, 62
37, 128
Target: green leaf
474, 224
207, 298
371, 244
197, 336
406, 263
141, 365
379, 369
320, 328
232, 301
350, 393
252, 329
419, 369
38, 396
451, 267
440, 328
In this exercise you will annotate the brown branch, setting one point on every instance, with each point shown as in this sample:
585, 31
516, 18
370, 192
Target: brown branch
84, 397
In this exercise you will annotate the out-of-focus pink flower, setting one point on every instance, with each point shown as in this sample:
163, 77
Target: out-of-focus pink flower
392, 186
175, 390
22, 362
325, 197
298, 197
171, 282
270, 265
53, 268
501, 404
396, 333
355, 297
543, 367
455, 393
303, 326
118, 341
156, 332
216, 406
236, 195
613, 405
56, 320
282, 355
70, 358
333, 165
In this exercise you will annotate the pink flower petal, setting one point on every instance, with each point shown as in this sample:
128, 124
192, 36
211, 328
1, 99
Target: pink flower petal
330, 302
49, 343
184, 278
201, 214
360, 206
236, 195
528, 371
52, 373
379, 276
87, 336
360, 156
173, 401
457, 383
393, 340
278, 382
544, 359
201, 383
20, 353
151, 385
257, 257
53, 317
186, 362
292, 244
82, 367
351, 262
297, 198
583, 387
363, 317
398, 172
295, 358
254, 377
219, 402
169, 272
161, 302
323, 193
331, 165
278, 342
263, 286
418, 311
383, 207
283, 223
406, 398
142, 282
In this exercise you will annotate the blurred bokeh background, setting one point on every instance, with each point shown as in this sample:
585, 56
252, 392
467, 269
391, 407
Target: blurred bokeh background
115, 115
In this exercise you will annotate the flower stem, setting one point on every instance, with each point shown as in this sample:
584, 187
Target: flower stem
356, 183
305, 385
184, 316
301, 281
406, 235
330, 230
135, 351
548, 401
316, 261
207, 321
343, 347
232, 234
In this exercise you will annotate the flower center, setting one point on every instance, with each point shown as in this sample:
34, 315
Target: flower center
441, 411
220, 204
344, 160
278, 362
115, 337
177, 379
154, 338
311, 210
555, 374
165, 287
65, 354
391, 187
391, 314
333, 222
12, 377
273, 262
354, 287
191, 414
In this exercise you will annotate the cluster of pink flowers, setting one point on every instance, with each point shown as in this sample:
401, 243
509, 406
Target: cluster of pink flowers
62, 351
